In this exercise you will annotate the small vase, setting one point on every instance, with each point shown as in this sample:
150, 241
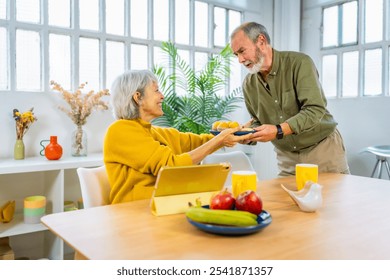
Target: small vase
53, 150
79, 142
19, 149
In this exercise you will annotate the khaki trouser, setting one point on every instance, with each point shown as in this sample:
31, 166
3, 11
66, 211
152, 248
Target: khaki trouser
329, 155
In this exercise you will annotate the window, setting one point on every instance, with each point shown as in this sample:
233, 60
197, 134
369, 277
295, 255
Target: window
329, 75
2, 9
182, 22
94, 41
60, 59
161, 20
28, 60
355, 55
115, 17
3, 59
115, 62
220, 26
201, 25
89, 14
89, 62
59, 13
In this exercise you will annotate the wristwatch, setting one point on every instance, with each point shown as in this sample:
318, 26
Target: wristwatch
279, 134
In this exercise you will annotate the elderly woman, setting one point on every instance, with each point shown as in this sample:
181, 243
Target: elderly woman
135, 150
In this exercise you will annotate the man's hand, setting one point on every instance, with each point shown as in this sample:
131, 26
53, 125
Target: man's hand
267, 132
264, 133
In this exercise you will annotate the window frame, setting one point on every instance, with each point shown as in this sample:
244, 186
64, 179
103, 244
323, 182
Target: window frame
361, 47
76, 33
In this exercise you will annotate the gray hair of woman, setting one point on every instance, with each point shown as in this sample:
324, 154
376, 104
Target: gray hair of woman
253, 30
123, 89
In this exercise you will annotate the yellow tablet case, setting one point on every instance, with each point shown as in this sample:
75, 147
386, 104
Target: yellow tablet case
176, 186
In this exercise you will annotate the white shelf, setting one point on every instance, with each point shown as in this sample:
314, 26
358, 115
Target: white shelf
17, 226
33, 164
49, 179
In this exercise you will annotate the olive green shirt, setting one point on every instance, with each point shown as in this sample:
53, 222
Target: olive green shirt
291, 93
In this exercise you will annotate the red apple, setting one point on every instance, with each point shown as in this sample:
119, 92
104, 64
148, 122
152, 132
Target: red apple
249, 201
222, 200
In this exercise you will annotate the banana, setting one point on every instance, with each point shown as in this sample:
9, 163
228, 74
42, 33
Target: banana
221, 217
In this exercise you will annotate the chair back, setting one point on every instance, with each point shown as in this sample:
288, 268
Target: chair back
237, 159
95, 188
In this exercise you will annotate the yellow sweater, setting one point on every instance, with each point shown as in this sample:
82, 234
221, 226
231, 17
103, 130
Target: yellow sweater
134, 151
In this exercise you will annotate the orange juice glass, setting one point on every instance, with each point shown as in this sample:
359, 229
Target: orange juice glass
243, 180
305, 172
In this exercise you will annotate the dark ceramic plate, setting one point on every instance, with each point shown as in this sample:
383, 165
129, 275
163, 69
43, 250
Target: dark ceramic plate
238, 133
263, 220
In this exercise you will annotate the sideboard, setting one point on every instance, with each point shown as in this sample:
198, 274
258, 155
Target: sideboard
55, 179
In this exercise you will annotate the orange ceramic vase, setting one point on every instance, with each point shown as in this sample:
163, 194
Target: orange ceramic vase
53, 150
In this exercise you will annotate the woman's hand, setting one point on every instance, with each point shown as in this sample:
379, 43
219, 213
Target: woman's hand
227, 138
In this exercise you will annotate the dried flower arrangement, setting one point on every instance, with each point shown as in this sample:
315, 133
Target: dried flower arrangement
23, 122
81, 106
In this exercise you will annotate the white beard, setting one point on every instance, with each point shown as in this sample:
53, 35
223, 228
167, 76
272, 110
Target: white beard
255, 68
258, 65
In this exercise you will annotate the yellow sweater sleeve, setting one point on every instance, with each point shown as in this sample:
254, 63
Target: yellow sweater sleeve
134, 151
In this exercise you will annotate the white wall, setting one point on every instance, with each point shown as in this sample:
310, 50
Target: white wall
51, 121
363, 122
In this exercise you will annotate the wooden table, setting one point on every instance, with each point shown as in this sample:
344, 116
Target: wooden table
353, 223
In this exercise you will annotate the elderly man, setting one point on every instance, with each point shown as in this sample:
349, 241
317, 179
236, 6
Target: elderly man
284, 96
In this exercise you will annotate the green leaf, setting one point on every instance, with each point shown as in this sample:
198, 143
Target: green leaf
200, 105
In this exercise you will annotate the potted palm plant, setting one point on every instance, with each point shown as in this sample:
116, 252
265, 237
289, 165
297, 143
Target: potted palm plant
200, 105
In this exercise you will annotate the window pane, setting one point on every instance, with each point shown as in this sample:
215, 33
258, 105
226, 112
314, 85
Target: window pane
330, 24
115, 61
234, 20
115, 17
89, 62
349, 23
329, 75
139, 18
89, 14
59, 12
60, 59
350, 74
3, 9
182, 23
28, 60
160, 58
374, 21
139, 57
201, 30
28, 10
201, 59
373, 72
235, 75
185, 55
161, 20
3, 59
219, 26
